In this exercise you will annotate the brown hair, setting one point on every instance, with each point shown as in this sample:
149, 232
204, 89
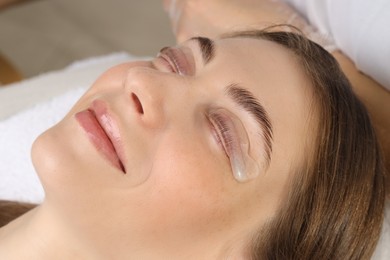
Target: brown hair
336, 203
9, 210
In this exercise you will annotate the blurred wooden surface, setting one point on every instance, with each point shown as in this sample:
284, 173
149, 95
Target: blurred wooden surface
5, 3
8, 73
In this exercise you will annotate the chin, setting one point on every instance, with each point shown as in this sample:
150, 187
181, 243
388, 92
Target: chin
74, 178
59, 158
69, 167
51, 158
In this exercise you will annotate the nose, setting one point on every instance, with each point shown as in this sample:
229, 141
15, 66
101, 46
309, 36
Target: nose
147, 92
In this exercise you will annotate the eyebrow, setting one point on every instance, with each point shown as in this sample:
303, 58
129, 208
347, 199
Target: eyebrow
207, 47
245, 99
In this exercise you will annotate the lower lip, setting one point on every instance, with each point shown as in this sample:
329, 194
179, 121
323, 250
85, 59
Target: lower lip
98, 137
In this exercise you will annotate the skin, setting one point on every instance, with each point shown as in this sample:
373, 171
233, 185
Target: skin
190, 199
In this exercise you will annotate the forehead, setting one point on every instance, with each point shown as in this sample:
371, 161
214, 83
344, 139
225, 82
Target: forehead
275, 76
271, 71
263, 64
263, 56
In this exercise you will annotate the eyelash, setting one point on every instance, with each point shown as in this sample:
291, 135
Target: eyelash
169, 65
232, 137
171, 60
224, 133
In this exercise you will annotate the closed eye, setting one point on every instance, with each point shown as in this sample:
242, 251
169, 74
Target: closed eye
167, 60
233, 136
223, 132
176, 60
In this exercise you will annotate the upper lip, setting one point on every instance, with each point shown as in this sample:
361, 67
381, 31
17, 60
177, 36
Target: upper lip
110, 127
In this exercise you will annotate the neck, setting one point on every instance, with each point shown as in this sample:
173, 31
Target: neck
38, 234
44, 234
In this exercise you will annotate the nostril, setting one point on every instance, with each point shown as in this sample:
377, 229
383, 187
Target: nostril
137, 103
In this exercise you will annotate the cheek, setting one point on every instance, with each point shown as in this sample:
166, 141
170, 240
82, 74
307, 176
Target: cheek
190, 182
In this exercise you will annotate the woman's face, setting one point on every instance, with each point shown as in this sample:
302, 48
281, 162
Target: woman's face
144, 155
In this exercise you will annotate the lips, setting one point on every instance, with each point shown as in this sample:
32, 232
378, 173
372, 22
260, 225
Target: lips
103, 132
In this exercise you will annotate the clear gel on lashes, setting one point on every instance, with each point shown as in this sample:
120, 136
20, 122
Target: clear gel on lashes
243, 166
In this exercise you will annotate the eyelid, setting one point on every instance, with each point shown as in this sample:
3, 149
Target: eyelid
167, 61
179, 59
237, 147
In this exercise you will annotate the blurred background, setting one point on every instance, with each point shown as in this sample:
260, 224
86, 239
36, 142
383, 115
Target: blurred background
37, 36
